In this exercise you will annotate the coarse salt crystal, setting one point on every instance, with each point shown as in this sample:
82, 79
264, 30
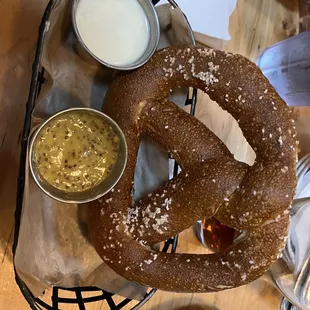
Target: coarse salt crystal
280, 140
285, 169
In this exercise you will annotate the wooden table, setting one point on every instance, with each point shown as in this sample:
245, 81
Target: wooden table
254, 26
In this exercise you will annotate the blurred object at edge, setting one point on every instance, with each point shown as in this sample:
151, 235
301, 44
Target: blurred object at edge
291, 274
287, 66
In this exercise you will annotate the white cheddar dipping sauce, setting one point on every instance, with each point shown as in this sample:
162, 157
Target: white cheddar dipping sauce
115, 31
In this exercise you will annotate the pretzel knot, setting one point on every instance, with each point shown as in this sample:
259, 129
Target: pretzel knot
212, 183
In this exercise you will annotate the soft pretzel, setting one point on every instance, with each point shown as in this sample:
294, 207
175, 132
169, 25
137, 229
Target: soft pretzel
254, 199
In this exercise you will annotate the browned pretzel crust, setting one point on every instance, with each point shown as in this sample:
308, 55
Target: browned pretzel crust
211, 183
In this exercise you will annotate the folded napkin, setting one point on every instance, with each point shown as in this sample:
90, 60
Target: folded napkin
208, 17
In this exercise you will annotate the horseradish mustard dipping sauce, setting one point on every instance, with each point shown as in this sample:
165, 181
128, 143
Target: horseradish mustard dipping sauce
115, 31
76, 151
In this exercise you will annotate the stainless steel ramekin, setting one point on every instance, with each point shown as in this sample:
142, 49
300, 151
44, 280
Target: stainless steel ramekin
95, 192
91, 58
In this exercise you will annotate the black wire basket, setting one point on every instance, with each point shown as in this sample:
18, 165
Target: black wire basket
37, 80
